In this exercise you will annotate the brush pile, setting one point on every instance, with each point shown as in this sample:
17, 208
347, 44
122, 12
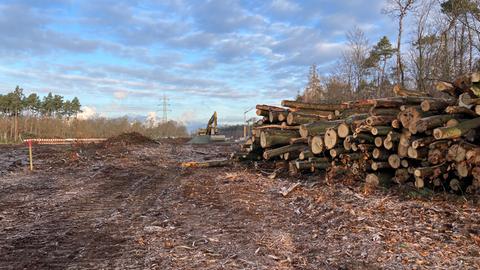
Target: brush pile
432, 142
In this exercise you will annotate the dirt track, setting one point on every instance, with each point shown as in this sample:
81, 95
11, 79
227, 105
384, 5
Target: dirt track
134, 207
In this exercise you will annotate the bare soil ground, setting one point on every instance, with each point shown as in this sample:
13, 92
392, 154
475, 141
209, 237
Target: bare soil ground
130, 206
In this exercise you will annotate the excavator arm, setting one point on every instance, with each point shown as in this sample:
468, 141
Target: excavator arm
209, 134
212, 125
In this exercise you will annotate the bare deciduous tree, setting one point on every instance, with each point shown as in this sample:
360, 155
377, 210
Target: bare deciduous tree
355, 56
399, 9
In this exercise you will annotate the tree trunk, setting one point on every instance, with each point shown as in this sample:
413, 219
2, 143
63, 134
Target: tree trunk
381, 130
400, 74
380, 120
317, 128
436, 105
424, 124
448, 88
270, 138
417, 153
313, 106
456, 131
422, 142
460, 110
380, 154
424, 172
264, 113
380, 165
305, 155
268, 154
335, 152
383, 179
295, 118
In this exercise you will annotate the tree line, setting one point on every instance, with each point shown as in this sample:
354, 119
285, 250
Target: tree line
16, 105
53, 116
435, 40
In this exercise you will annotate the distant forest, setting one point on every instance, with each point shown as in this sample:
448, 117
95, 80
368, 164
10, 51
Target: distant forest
52, 116
435, 40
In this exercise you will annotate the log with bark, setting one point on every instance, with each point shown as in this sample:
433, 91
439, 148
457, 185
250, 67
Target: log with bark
461, 110
436, 105
275, 152
431, 141
380, 120
383, 179
424, 124
210, 163
317, 128
296, 118
313, 106
423, 172
274, 137
401, 176
380, 154
380, 130
456, 131
305, 155
448, 88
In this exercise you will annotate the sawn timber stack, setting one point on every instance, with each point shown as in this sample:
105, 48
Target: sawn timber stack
430, 142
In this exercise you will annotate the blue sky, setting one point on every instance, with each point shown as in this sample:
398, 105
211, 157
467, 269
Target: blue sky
120, 57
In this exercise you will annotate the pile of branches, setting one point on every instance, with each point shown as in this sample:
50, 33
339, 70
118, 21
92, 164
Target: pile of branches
432, 142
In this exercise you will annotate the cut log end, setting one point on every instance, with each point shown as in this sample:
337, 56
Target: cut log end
343, 130
419, 183
396, 123
394, 161
455, 184
378, 141
317, 145
331, 138
388, 144
383, 179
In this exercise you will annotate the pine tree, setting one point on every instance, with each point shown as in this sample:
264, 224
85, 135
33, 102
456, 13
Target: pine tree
57, 105
47, 105
378, 58
76, 106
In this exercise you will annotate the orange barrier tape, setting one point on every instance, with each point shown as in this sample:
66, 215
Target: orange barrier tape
63, 141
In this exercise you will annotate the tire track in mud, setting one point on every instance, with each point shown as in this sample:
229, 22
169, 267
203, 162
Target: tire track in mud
96, 226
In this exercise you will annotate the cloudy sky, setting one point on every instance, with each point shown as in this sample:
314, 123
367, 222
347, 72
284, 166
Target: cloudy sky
120, 57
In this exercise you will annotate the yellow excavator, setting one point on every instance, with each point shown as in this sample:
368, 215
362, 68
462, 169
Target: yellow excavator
208, 134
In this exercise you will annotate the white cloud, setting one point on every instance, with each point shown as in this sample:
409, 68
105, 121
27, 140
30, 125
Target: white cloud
176, 47
188, 117
152, 119
87, 113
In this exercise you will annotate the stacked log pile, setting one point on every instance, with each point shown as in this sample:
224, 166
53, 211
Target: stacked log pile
432, 142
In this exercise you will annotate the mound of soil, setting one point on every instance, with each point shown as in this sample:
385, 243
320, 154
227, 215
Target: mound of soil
132, 138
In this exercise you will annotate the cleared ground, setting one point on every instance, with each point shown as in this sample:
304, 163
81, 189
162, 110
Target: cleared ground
124, 206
